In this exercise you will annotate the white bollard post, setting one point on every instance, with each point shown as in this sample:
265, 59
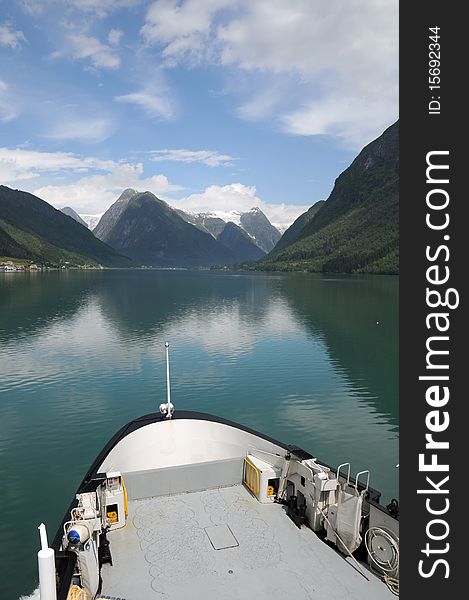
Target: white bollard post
46, 566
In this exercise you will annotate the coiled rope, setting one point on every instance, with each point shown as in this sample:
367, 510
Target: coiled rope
76, 593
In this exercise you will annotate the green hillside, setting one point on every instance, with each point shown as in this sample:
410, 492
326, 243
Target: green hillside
16, 243
32, 229
357, 229
293, 232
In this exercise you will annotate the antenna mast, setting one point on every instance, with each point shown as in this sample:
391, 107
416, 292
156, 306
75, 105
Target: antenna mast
167, 409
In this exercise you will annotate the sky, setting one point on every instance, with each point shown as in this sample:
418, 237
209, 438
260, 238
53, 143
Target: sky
209, 104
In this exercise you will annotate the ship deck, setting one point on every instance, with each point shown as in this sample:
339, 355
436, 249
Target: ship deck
223, 544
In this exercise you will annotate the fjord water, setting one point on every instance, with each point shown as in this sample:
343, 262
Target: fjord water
308, 359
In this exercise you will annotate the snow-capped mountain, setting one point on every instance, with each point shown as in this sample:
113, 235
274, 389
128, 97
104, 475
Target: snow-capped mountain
91, 220
253, 222
258, 226
232, 216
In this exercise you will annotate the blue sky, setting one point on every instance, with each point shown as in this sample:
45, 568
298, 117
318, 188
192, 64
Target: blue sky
210, 104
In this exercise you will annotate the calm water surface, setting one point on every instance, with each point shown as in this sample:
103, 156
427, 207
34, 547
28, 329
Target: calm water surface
308, 359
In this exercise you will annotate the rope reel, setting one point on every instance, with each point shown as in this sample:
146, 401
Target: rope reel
383, 550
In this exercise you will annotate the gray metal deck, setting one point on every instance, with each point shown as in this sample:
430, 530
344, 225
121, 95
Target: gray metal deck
166, 552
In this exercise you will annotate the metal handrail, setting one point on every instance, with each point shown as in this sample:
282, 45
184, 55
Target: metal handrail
348, 472
357, 477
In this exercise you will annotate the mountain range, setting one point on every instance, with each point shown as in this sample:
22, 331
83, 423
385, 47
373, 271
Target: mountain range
254, 223
151, 232
356, 230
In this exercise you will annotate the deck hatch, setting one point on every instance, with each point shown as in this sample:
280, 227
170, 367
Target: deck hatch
221, 537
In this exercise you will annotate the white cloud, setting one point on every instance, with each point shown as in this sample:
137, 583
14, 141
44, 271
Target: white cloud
103, 7
33, 7
17, 164
93, 194
10, 37
184, 27
101, 55
261, 105
207, 157
8, 110
82, 46
307, 36
153, 98
81, 129
239, 197
343, 54
95, 183
355, 119
282, 215
99, 8
152, 104
151, 91
114, 37
168, 20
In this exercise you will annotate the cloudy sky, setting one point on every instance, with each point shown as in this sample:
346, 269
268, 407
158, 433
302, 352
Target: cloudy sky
210, 104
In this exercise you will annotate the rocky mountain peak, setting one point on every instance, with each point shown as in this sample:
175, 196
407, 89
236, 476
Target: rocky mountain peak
127, 194
68, 210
